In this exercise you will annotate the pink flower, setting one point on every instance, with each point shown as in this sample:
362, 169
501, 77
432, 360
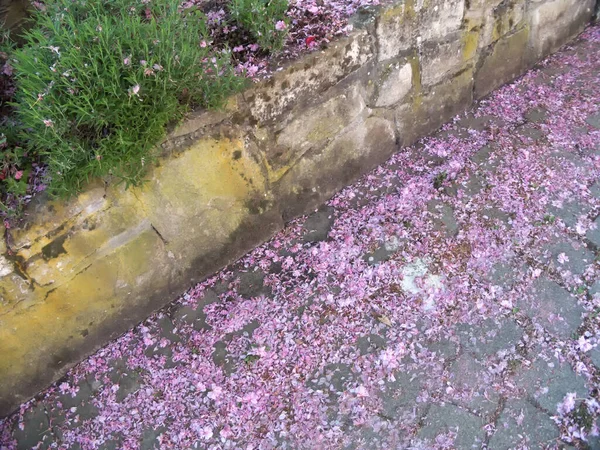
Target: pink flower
226, 432
49, 123
562, 258
18, 175
215, 392
134, 90
203, 44
567, 405
361, 391
127, 60
206, 433
280, 25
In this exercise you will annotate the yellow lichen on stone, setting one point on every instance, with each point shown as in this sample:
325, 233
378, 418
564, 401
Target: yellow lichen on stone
59, 319
403, 11
470, 39
202, 191
416, 80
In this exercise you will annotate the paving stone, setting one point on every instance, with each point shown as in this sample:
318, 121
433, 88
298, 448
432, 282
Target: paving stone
486, 158
449, 418
472, 387
594, 235
569, 212
252, 284
473, 185
489, 337
222, 358
531, 132
149, 440
384, 252
399, 395
536, 115
505, 273
444, 348
579, 257
521, 425
112, 444
167, 329
443, 217
194, 317
371, 343
496, 217
36, 430
595, 189
84, 393
334, 379
318, 225
553, 307
594, 120
128, 384
549, 381
595, 356
562, 159
595, 288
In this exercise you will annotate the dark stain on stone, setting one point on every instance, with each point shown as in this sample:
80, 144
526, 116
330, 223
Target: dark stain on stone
19, 265
54, 248
257, 205
237, 154
85, 332
55, 232
285, 85
89, 225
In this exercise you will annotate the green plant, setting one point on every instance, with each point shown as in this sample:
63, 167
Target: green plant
264, 19
98, 82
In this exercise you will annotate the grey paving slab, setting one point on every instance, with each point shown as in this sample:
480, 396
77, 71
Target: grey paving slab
548, 381
568, 255
442, 419
553, 307
521, 425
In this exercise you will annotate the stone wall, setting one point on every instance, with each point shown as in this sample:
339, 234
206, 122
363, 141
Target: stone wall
79, 273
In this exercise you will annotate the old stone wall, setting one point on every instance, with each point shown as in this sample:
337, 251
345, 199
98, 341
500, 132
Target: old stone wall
78, 273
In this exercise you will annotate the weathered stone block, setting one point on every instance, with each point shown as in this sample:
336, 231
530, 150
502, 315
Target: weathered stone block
497, 19
68, 319
311, 76
507, 17
554, 22
430, 110
396, 30
45, 219
396, 85
364, 144
315, 128
441, 60
85, 239
196, 199
505, 61
439, 19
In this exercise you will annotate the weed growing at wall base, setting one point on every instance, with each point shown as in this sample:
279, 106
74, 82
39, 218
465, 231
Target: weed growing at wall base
100, 80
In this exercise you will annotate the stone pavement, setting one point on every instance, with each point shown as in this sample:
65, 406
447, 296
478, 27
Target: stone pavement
449, 299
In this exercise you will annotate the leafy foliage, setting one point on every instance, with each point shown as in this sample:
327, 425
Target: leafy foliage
265, 19
100, 80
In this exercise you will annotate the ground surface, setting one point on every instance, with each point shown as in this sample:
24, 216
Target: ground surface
450, 299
